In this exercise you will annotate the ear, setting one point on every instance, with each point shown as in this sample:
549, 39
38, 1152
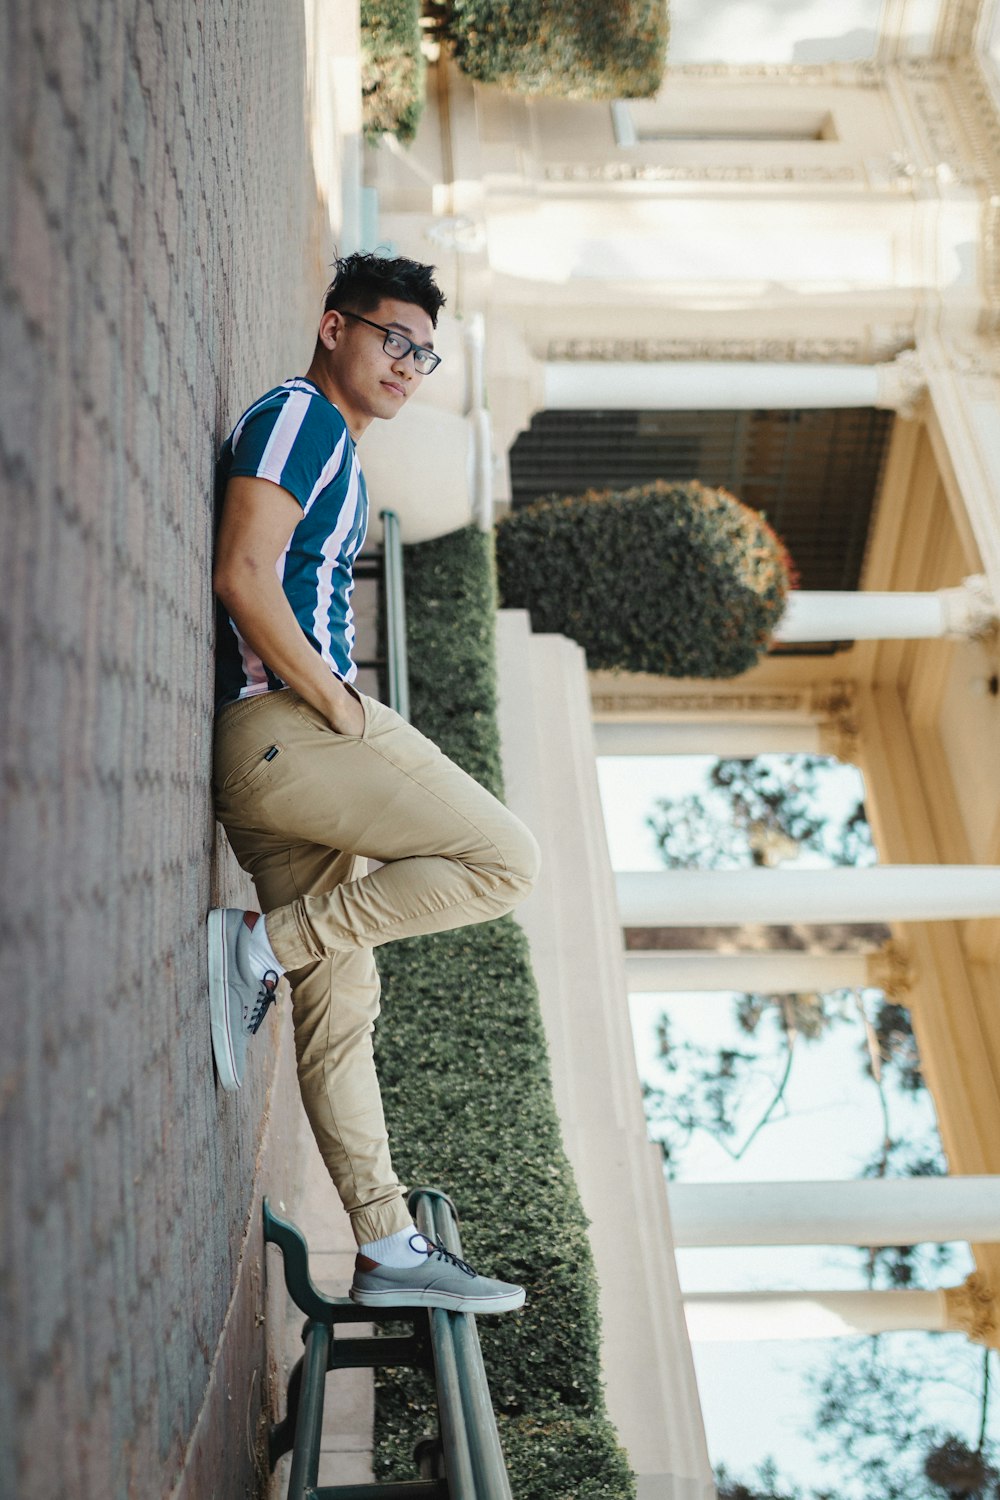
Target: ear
331, 325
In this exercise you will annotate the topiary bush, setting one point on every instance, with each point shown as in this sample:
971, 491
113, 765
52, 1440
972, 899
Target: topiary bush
393, 84
465, 1079
677, 579
578, 49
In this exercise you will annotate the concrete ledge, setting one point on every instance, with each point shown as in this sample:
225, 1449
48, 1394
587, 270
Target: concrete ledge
573, 928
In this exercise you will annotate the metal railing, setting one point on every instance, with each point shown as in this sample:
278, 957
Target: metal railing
472, 1457
464, 1460
387, 568
397, 668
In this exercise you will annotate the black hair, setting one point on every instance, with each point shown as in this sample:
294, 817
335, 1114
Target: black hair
362, 280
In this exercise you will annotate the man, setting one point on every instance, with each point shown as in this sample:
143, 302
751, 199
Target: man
312, 779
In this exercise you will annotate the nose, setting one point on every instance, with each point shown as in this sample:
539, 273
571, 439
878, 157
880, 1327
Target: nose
406, 363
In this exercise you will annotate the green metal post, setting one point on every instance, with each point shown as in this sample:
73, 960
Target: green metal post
395, 615
304, 1475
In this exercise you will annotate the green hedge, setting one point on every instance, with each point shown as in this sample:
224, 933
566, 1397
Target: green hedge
578, 49
465, 1079
676, 579
393, 85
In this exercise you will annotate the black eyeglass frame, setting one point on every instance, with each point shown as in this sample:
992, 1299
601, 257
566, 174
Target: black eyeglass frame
394, 333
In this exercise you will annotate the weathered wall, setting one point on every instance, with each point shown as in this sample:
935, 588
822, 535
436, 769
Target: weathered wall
162, 264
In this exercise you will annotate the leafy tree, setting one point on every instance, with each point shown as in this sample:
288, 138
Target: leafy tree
897, 1045
873, 1426
711, 1089
763, 811
677, 579
575, 49
765, 1485
960, 1471
393, 86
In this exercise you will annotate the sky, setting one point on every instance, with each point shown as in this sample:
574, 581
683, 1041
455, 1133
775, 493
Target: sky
775, 31
755, 1396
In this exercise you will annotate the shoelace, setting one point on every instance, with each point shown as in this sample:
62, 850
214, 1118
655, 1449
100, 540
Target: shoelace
265, 998
435, 1248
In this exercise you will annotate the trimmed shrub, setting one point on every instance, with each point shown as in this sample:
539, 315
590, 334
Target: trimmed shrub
393, 84
577, 49
468, 1098
677, 579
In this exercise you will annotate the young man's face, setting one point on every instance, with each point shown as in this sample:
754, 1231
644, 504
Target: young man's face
371, 382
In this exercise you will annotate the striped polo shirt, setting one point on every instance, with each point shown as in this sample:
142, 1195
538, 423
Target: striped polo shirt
298, 439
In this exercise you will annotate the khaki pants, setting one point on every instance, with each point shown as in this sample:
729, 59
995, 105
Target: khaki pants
303, 807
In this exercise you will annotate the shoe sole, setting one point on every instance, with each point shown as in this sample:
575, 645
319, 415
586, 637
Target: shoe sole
451, 1301
218, 999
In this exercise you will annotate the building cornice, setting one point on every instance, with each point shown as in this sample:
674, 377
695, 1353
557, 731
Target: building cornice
878, 346
852, 75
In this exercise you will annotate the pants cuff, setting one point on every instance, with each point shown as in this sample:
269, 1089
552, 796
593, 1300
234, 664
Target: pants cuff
377, 1223
283, 935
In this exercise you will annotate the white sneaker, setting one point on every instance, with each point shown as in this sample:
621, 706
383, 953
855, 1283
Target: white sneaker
238, 1000
442, 1281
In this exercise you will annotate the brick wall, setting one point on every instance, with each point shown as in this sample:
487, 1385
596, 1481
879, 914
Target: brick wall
162, 265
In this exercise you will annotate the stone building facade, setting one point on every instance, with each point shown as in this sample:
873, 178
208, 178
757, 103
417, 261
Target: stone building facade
784, 230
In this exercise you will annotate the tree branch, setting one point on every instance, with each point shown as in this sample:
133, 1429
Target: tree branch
779, 1093
984, 1401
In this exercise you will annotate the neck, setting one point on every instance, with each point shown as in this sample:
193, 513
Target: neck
357, 424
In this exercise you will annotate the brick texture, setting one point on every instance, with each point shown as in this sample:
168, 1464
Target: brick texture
162, 263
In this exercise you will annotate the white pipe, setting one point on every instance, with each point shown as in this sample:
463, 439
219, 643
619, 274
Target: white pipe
695, 385
892, 1211
706, 737
775, 972
821, 616
884, 893
722, 1317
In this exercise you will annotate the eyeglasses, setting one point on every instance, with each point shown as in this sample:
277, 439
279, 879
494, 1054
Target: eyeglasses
399, 346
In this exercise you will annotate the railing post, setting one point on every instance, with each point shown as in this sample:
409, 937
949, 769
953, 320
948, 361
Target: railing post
395, 615
304, 1475
478, 1443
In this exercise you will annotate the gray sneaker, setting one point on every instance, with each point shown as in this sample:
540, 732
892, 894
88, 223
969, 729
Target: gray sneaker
442, 1281
238, 1001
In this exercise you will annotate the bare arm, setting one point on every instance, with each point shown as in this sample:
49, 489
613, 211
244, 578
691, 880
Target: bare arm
258, 518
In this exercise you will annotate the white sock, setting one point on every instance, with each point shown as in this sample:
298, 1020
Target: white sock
396, 1249
260, 954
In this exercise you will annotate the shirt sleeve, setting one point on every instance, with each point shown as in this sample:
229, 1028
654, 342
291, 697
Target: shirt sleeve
297, 441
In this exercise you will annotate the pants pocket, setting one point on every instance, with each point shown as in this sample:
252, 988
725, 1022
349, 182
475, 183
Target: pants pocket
249, 771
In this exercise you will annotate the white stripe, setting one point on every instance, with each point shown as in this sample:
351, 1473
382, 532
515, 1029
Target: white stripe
237, 431
253, 668
331, 550
283, 435
327, 474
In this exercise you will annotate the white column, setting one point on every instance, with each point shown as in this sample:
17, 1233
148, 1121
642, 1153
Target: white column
693, 385
721, 1317
739, 738
886, 893
816, 615
888, 1211
775, 972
